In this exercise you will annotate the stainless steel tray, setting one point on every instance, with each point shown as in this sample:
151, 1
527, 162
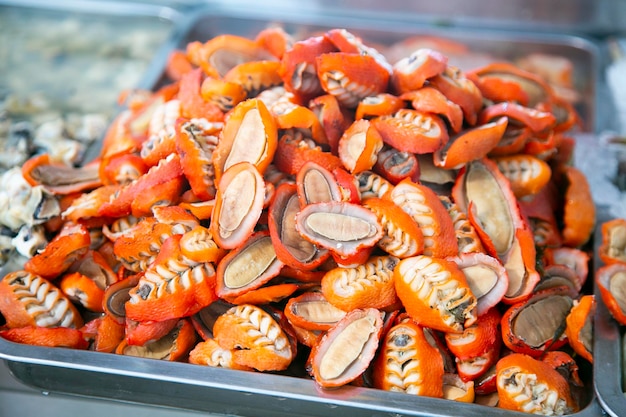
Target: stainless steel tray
608, 349
225, 391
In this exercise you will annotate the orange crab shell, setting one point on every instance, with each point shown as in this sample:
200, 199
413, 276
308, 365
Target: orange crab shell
333, 365
198, 245
604, 278
565, 364
21, 306
575, 259
407, 362
104, 333
410, 73
180, 340
368, 284
210, 353
316, 184
43, 170
476, 339
515, 367
220, 53
412, 131
460, 90
613, 244
488, 266
69, 245
195, 142
185, 296
273, 293
275, 40
257, 339
192, 105
578, 329
224, 94
255, 76
46, 336
298, 66
537, 121
521, 247
359, 146
83, 290
421, 202
378, 105
351, 77
471, 144
527, 174
333, 118
579, 208
513, 141
122, 169
473, 368
430, 100
249, 135
177, 65
505, 82
312, 311
403, 237
292, 154
417, 280
139, 333
163, 182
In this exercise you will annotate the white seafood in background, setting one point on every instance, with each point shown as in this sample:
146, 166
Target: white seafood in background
16, 142
21, 204
6, 248
29, 240
52, 139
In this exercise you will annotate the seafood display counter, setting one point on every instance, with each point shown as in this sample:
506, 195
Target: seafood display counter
212, 389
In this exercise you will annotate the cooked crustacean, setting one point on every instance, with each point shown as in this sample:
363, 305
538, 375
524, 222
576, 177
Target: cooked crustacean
403, 222
529, 385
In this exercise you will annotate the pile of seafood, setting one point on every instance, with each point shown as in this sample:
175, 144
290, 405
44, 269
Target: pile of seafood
403, 224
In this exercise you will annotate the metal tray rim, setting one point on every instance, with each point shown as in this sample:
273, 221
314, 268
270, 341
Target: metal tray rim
277, 386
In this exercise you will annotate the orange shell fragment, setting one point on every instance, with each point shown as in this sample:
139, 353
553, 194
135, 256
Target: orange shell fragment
255, 337
529, 385
408, 363
435, 293
367, 285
